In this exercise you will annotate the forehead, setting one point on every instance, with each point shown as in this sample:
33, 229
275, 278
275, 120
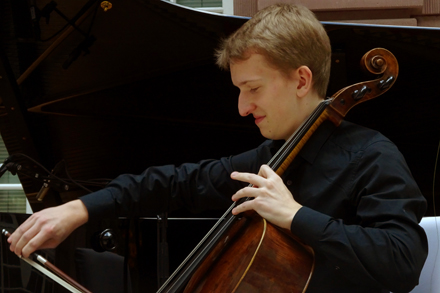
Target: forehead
254, 67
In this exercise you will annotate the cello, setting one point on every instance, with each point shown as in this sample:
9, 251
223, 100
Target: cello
245, 253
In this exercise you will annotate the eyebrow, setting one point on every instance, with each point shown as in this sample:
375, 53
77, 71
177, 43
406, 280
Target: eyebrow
248, 81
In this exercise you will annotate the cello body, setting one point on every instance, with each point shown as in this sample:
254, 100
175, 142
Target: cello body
253, 264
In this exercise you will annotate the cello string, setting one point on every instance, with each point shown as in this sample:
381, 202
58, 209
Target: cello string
202, 242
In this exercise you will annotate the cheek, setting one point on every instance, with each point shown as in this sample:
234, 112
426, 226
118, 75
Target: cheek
283, 102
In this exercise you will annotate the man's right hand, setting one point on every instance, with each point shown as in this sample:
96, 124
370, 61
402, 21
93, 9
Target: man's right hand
48, 228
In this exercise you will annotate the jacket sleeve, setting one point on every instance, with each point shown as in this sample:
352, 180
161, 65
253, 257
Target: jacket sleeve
194, 186
386, 248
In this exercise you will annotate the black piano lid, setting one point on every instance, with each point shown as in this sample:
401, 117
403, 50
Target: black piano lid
149, 93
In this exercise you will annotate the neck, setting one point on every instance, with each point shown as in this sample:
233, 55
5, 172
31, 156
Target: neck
306, 106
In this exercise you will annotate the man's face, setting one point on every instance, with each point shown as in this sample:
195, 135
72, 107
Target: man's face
269, 95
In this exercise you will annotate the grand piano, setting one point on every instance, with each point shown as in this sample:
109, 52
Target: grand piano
88, 94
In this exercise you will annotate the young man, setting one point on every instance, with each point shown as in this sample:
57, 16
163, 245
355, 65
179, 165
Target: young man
348, 194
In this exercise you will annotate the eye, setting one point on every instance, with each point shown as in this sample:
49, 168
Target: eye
253, 90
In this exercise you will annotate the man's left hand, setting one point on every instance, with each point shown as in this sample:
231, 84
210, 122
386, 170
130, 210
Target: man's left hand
272, 199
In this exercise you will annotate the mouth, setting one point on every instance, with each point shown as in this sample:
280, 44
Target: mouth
258, 119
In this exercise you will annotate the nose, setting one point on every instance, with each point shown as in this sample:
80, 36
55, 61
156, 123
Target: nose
245, 105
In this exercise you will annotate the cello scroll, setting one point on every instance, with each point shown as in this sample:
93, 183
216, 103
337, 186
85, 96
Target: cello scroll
376, 61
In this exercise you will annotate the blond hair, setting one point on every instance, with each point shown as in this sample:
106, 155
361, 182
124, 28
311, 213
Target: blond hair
289, 36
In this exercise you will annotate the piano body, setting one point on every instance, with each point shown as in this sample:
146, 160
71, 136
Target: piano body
137, 86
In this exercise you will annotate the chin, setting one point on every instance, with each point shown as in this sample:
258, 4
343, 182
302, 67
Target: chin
272, 136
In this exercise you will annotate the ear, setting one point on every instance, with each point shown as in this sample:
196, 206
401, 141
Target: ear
305, 77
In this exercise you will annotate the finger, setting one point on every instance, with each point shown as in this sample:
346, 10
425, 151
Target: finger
248, 177
26, 232
39, 241
24, 239
245, 192
18, 233
272, 178
245, 206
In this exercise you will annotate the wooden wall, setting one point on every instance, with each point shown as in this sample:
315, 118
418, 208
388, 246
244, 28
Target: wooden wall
387, 12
